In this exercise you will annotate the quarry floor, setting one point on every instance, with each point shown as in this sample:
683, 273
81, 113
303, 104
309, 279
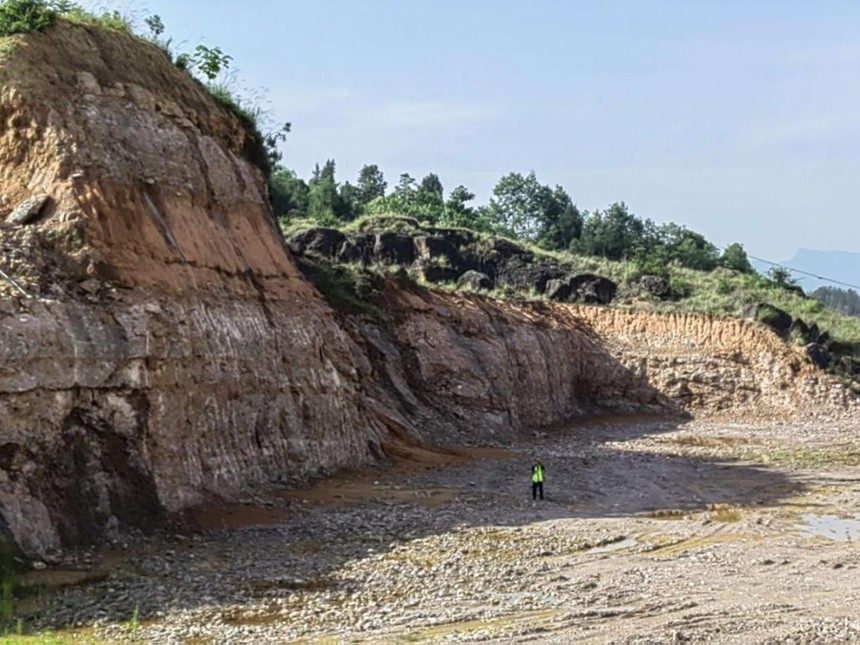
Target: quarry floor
652, 531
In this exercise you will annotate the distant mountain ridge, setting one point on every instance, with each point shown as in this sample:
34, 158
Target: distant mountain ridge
836, 265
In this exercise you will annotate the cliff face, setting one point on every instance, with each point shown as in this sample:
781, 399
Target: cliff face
174, 351
170, 350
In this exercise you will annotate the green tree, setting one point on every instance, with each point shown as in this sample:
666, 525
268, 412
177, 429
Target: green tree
735, 258
527, 209
290, 195
688, 248
350, 199
562, 228
371, 184
324, 201
458, 212
781, 277
614, 234
422, 201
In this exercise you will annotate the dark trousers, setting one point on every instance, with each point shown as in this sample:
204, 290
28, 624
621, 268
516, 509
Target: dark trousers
537, 486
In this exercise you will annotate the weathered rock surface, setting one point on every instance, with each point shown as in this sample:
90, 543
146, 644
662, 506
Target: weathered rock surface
175, 352
475, 280
774, 317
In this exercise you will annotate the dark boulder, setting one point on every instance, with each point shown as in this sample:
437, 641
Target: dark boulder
434, 248
593, 289
358, 249
458, 238
558, 290
505, 250
799, 331
817, 354
849, 365
774, 317
436, 274
654, 285
813, 333
475, 280
525, 276
394, 248
321, 241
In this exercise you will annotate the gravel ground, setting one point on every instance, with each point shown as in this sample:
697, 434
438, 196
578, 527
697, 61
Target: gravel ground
652, 532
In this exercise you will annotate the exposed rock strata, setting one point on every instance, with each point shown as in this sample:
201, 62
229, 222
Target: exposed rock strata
175, 352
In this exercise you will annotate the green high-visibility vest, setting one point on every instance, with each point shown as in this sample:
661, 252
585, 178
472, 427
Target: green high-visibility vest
537, 475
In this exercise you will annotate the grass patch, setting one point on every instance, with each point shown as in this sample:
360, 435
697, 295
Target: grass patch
693, 441
347, 288
844, 455
666, 514
724, 513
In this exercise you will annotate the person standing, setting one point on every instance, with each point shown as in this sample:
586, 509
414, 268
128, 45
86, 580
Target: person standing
538, 472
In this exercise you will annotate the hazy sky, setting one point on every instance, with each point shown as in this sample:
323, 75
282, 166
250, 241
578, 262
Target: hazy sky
739, 119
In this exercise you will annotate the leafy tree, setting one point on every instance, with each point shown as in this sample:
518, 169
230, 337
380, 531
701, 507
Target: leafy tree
614, 233
459, 213
561, 229
688, 248
371, 184
290, 195
735, 258
525, 208
324, 201
350, 198
782, 277
432, 186
422, 201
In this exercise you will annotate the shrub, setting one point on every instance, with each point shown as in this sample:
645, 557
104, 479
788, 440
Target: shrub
24, 16
680, 287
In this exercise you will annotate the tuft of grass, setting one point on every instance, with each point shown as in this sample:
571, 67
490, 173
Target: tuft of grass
724, 513
666, 514
347, 288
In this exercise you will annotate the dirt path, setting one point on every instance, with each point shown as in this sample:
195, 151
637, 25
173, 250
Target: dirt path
652, 532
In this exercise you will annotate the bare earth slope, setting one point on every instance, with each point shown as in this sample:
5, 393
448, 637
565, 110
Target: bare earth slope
169, 351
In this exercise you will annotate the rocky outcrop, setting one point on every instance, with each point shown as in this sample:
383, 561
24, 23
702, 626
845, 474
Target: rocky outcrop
443, 255
172, 352
774, 317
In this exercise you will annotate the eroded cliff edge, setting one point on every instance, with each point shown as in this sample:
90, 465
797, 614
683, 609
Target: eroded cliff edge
170, 351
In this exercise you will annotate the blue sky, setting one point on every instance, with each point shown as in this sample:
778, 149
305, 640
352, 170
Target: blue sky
738, 119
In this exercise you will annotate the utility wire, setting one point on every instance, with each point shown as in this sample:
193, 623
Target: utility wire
807, 273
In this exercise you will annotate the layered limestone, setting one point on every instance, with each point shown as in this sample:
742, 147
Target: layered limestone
168, 351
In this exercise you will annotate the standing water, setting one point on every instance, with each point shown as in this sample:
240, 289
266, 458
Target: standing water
831, 527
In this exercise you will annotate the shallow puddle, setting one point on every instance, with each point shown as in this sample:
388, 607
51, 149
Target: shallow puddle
831, 527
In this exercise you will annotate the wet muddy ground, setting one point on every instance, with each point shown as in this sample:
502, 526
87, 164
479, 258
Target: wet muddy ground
652, 532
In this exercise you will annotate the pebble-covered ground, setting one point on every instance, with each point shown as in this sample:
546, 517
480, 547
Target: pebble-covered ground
652, 532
